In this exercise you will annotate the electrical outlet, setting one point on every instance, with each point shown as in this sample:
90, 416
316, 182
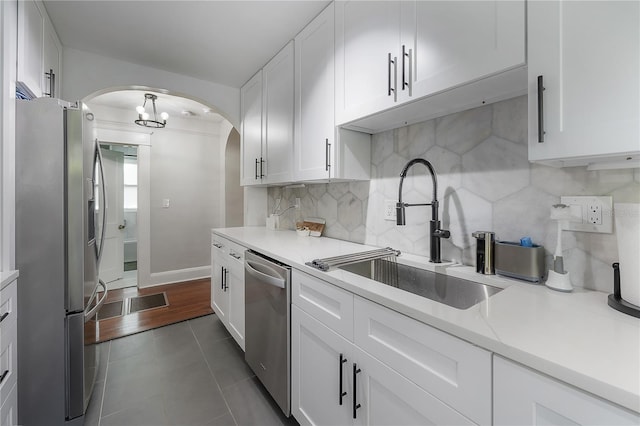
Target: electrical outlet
595, 212
389, 209
297, 203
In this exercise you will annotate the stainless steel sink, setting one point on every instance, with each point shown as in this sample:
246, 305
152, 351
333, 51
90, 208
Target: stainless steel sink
452, 291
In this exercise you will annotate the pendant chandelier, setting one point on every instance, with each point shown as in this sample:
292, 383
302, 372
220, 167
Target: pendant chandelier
145, 119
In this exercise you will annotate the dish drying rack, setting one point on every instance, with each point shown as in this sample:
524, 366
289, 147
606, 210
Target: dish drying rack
327, 263
384, 267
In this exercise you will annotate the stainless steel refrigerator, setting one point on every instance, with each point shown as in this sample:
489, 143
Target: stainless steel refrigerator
60, 208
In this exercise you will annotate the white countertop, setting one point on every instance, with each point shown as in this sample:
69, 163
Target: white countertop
575, 337
7, 277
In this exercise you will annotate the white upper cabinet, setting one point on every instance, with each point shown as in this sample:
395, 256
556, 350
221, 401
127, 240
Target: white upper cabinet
266, 108
394, 53
51, 62
251, 130
30, 47
314, 99
584, 82
39, 51
367, 42
277, 110
449, 43
321, 152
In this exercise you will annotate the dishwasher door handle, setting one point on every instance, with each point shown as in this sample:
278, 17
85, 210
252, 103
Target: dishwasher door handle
274, 280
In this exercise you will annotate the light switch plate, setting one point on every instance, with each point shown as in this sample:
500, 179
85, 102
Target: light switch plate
596, 213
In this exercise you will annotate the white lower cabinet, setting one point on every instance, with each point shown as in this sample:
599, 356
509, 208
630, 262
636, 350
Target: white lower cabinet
522, 396
316, 371
337, 381
9, 355
227, 285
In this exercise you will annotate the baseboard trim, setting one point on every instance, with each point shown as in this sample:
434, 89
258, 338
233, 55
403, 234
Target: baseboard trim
178, 275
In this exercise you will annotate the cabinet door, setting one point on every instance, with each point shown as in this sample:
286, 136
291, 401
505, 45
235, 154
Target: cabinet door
523, 397
30, 46
316, 354
251, 130
235, 314
387, 398
219, 297
588, 55
366, 33
51, 63
449, 43
452, 370
314, 98
277, 124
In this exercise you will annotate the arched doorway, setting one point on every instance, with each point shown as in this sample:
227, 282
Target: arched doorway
181, 180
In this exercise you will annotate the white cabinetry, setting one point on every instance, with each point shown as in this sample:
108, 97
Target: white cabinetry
267, 122
8, 355
320, 151
39, 51
251, 129
391, 53
523, 397
584, 90
227, 285
355, 362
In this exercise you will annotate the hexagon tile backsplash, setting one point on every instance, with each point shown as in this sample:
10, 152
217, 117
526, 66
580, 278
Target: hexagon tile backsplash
485, 183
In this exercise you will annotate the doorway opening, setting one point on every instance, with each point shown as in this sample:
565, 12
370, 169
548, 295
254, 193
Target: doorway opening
119, 263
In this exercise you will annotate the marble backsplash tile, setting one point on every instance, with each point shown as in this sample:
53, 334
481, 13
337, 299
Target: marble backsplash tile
485, 182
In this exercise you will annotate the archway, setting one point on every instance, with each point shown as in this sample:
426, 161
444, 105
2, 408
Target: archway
181, 181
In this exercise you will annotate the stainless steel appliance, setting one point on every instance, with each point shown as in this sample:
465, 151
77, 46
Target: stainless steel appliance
484, 252
267, 325
58, 249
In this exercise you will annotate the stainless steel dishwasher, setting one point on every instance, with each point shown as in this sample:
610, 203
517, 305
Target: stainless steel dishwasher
267, 325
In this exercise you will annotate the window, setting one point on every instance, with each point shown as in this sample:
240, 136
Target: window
130, 169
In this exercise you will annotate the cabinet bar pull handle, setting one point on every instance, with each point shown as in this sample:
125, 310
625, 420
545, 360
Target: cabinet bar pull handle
6, 314
389, 63
222, 278
52, 83
261, 164
327, 153
404, 56
410, 72
395, 79
356, 370
256, 169
540, 110
342, 393
217, 245
4, 375
226, 283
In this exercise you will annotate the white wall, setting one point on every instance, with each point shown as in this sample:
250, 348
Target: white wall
8, 41
86, 74
186, 168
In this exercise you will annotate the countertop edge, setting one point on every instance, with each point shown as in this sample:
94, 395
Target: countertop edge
599, 388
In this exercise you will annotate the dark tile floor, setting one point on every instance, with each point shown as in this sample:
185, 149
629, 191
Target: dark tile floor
190, 373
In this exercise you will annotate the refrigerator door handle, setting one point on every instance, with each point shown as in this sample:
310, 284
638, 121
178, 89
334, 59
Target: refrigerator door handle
103, 184
91, 312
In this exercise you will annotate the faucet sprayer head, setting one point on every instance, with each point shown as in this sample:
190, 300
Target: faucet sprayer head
400, 218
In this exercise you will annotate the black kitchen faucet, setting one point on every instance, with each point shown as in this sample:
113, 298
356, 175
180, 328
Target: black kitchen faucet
434, 225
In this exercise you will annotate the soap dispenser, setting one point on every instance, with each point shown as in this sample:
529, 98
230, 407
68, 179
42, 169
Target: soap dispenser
485, 252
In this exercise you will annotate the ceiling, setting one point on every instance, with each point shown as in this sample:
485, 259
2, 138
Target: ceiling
224, 42
175, 106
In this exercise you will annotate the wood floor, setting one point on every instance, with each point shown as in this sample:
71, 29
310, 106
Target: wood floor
187, 300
